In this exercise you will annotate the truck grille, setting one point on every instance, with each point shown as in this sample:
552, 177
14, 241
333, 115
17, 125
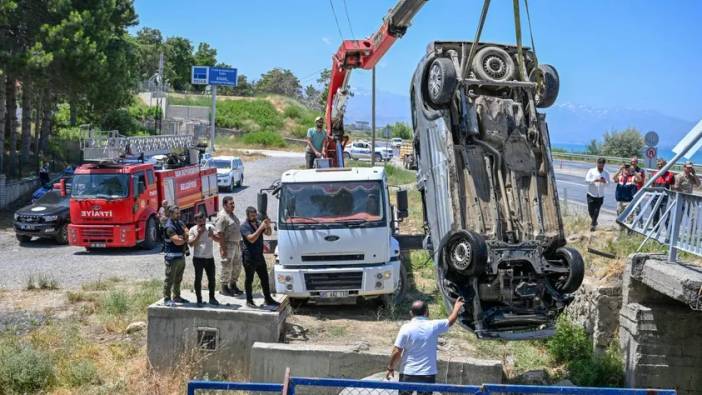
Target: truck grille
97, 235
333, 281
327, 258
32, 219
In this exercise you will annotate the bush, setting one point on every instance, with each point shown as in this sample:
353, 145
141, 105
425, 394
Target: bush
623, 144
81, 373
232, 114
120, 120
401, 130
24, 369
569, 343
115, 303
293, 112
266, 139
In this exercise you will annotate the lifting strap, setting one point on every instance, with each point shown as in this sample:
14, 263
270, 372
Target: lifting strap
481, 23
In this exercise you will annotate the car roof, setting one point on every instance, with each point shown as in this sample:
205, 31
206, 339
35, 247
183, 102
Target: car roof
225, 157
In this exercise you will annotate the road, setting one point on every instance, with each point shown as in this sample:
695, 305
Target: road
72, 266
570, 180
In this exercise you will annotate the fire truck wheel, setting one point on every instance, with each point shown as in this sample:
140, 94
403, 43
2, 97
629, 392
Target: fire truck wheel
151, 235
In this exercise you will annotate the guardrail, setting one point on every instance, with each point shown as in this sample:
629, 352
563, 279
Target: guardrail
305, 385
613, 160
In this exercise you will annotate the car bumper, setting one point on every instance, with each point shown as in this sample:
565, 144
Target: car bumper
37, 230
102, 236
306, 283
223, 182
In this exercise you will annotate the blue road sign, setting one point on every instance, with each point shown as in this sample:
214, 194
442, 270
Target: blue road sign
199, 75
222, 76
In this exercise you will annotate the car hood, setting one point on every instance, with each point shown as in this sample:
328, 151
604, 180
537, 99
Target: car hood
223, 172
42, 209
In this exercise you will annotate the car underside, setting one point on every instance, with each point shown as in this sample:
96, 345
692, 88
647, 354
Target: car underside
486, 177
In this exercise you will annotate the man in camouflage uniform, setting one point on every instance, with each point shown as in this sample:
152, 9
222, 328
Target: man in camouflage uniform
229, 234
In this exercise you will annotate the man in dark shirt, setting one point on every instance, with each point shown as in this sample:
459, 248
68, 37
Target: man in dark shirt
176, 239
252, 232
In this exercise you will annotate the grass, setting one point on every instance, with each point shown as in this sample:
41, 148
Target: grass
42, 281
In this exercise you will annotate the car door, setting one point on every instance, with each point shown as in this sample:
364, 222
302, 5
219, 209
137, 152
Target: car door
240, 169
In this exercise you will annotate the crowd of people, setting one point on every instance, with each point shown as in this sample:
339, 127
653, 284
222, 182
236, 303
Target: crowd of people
629, 179
240, 245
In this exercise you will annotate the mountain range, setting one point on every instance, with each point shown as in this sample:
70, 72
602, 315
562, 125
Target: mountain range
569, 123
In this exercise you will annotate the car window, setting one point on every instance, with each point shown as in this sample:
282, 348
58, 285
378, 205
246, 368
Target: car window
150, 176
141, 178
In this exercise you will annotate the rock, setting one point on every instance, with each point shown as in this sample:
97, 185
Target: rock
532, 377
136, 326
360, 346
565, 383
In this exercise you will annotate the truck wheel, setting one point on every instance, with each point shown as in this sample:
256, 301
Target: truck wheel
23, 238
441, 81
466, 252
150, 235
570, 282
396, 297
62, 235
296, 303
493, 64
548, 85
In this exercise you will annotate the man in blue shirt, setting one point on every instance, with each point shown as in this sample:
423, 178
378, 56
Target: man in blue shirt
316, 139
416, 345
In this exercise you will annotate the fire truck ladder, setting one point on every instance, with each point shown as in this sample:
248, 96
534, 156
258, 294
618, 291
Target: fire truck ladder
100, 145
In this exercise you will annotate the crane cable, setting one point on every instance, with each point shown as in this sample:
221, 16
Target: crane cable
474, 46
338, 27
348, 18
531, 31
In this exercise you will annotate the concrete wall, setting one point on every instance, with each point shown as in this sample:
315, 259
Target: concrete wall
172, 337
596, 307
12, 192
660, 337
269, 360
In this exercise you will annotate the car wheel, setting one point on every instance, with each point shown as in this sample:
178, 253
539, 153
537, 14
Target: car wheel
441, 81
568, 282
493, 64
378, 157
62, 235
548, 85
151, 235
23, 238
347, 156
241, 180
466, 253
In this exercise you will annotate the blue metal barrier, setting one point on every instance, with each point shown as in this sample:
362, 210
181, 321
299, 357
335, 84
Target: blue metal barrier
347, 386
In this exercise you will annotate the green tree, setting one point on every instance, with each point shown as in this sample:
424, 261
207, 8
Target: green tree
205, 55
179, 61
594, 148
279, 81
623, 144
323, 80
149, 44
243, 86
401, 130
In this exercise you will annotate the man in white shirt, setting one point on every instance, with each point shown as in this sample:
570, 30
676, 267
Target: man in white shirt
201, 237
416, 345
596, 178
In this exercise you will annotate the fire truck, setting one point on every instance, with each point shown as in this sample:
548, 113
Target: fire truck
117, 193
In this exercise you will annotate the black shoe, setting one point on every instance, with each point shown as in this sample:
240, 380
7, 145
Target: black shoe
592, 228
235, 290
213, 302
198, 304
226, 291
166, 301
272, 302
178, 299
250, 303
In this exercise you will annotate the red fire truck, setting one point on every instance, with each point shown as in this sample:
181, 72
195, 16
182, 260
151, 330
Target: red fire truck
115, 201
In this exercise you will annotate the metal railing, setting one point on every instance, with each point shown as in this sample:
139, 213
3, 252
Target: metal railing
611, 160
306, 385
110, 145
671, 218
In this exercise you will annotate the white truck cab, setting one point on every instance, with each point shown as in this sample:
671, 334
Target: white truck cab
335, 235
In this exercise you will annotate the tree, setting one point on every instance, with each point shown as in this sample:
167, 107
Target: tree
401, 130
324, 79
279, 81
243, 86
149, 44
623, 144
205, 55
179, 61
594, 148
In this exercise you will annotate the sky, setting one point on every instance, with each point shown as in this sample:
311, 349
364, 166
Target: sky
638, 54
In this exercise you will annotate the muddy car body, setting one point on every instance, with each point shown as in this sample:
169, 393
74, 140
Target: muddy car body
488, 189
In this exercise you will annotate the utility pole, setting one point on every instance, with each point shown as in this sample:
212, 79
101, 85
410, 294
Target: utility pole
373, 118
211, 148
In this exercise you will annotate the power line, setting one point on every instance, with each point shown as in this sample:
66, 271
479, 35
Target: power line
348, 18
338, 27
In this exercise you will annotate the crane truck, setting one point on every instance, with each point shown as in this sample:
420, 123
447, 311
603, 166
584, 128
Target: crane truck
117, 193
485, 175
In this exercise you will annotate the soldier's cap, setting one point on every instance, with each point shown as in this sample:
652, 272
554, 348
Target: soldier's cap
689, 164
318, 120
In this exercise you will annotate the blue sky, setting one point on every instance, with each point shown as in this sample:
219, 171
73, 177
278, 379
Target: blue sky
640, 54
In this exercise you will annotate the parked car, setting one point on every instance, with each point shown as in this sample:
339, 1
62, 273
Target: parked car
362, 150
396, 142
47, 217
42, 190
230, 171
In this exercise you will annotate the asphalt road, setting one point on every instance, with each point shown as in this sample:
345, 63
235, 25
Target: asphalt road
73, 266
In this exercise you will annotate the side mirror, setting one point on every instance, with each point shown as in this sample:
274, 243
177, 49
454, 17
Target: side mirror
61, 187
262, 204
402, 204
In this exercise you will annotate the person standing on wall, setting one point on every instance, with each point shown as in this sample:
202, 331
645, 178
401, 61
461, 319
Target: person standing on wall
316, 140
176, 243
596, 178
415, 345
201, 237
227, 229
252, 232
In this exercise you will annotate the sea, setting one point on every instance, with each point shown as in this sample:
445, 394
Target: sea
665, 153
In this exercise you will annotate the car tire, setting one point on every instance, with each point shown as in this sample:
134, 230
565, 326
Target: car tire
378, 157
440, 82
493, 64
230, 188
574, 261
548, 85
62, 235
23, 238
465, 252
347, 155
150, 235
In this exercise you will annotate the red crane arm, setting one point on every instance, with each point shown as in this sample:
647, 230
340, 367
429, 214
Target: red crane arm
364, 54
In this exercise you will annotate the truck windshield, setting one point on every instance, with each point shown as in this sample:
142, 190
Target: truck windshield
107, 186
332, 203
221, 164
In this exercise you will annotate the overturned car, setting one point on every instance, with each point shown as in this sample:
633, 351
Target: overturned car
486, 178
